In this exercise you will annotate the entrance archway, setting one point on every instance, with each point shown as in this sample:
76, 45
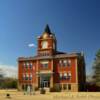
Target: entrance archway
44, 81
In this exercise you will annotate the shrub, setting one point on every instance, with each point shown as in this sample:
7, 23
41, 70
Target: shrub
36, 88
42, 91
57, 88
52, 90
8, 95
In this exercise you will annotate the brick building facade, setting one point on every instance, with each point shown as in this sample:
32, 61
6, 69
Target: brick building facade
51, 68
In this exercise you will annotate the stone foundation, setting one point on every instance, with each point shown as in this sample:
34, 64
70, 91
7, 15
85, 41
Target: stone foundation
73, 87
64, 87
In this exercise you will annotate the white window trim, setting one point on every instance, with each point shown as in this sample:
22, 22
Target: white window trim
44, 62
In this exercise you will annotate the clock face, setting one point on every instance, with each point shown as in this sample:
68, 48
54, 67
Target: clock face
44, 44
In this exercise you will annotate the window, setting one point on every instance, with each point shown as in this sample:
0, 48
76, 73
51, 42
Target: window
69, 86
27, 76
60, 86
27, 64
60, 61
69, 62
24, 64
30, 78
23, 87
64, 86
64, 63
44, 64
68, 75
33, 68
23, 76
31, 65
65, 76
60, 76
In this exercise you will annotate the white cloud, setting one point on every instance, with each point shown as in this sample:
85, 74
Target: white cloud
31, 45
8, 70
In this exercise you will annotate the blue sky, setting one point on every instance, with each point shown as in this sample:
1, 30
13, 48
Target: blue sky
76, 24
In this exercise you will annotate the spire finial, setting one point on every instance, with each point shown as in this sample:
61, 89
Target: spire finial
47, 29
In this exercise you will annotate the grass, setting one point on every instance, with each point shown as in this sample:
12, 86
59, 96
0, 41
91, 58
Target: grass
15, 95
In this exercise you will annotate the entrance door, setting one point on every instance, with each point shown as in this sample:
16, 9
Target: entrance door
44, 81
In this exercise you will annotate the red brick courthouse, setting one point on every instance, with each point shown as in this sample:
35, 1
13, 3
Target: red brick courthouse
51, 68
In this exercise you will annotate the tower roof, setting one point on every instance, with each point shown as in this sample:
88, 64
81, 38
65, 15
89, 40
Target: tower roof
47, 29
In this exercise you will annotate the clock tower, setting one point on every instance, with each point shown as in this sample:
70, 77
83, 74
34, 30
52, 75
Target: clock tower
46, 43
